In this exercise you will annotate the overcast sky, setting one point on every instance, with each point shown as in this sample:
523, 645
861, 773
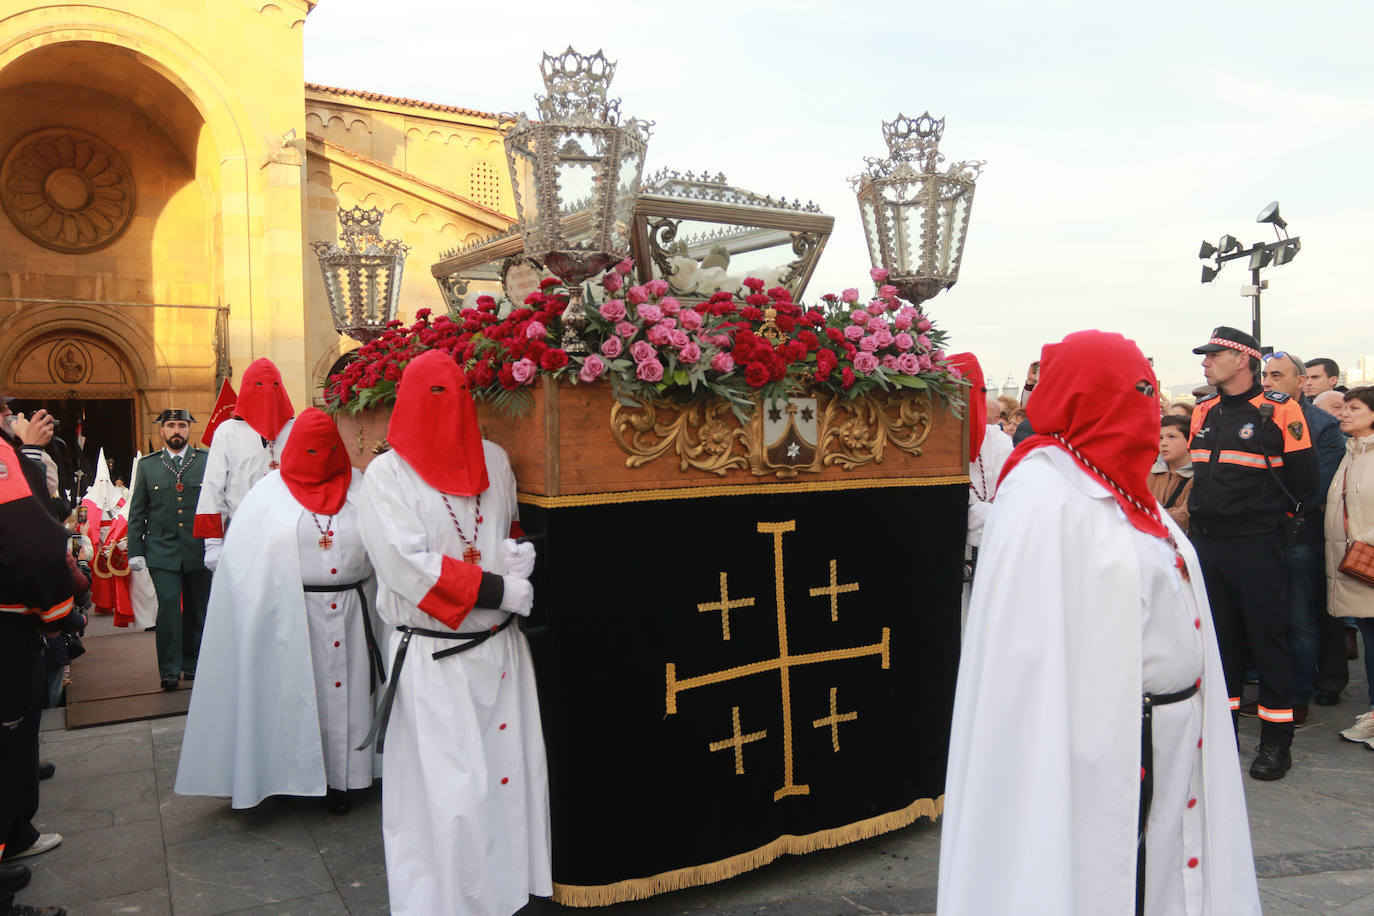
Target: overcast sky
1117, 137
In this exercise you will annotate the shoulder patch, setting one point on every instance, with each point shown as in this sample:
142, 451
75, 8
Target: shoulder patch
1277, 396
1295, 430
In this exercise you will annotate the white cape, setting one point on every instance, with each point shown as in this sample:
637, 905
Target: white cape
1043, 783
253, 729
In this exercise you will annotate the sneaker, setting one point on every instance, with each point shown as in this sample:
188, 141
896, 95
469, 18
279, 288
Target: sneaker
44, 842
1362, 730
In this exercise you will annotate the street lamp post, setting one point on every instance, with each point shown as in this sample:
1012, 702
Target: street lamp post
1261, 255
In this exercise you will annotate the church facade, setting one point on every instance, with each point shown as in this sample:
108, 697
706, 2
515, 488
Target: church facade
164, 168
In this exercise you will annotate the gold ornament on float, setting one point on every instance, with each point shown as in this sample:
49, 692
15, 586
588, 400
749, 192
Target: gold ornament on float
67, 190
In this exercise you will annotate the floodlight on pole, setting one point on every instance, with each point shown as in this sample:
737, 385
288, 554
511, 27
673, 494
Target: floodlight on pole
1261, 255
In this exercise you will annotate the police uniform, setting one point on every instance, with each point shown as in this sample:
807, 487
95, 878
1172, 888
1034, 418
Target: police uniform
162, 514
1247, 450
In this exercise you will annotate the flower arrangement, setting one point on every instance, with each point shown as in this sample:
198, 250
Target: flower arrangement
742, 346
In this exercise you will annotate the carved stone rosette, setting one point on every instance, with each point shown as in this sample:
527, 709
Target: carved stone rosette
67, 190
705, 435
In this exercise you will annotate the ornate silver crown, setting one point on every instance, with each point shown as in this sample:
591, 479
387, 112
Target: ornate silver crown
913, 138
578, 84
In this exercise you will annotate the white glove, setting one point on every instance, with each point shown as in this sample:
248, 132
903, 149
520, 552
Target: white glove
138, 564
519, 558
212, 549
518, 596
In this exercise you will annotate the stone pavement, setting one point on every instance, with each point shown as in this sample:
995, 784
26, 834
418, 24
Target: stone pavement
133, 847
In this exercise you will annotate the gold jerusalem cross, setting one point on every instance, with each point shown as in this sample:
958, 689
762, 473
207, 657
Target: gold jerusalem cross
783, 664
834, 590
724, 605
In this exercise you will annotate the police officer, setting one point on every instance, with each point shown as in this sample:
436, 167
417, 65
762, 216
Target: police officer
162, 515
1253, 468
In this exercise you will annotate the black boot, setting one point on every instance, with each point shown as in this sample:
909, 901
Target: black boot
337, 801
14, 878
1271, 762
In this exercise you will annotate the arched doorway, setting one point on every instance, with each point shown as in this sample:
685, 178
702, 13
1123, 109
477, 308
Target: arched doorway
87, 384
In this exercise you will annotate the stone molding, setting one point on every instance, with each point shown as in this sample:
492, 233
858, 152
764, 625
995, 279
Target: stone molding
67, 190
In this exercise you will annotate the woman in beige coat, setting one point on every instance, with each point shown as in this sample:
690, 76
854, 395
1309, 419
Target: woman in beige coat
1350, 518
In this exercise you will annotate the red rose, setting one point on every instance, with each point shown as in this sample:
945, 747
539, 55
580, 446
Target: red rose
553, 360
756, 374
846, 378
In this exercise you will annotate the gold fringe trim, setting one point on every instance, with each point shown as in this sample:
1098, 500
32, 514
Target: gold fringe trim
706, 491
679, 878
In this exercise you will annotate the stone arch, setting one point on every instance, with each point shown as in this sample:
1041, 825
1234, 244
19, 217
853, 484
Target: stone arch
123, 335
320, 373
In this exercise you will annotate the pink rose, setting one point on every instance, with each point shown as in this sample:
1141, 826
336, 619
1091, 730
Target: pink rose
668, 323
903, 341
523, 370
865, 363
636, 295
612, 282
657, 287
719, 340
868, 344
678, 337
626, 266
611, 347
884, 337
650, 370
670, 305
859, 316
658, 335
908, 364
650, 312
723, 363
954, 373
923, 341
613, 309
642, 350
889, 361
924, 325
853, 332
903, 322
887, 291
875, 324
937, 356
877, 307
878, 274
536, 331
925, 361
850, 295
691, 319
689, 354
592, 367
625, 329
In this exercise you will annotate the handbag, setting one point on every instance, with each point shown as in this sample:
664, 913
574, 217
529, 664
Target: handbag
1358, 562
74, 647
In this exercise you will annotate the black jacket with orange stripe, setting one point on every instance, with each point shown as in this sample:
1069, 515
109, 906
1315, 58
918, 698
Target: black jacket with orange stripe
1234, 492
34, 579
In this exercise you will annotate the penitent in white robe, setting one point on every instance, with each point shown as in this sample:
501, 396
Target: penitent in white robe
238, 459
465, 787
142, 595
1075, 613
282, 695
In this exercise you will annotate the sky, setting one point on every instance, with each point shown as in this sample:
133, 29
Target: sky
1117, 137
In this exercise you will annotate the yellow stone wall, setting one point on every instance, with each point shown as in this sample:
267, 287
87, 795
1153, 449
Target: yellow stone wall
237, 166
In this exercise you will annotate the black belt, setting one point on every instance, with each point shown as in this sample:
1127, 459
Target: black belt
1148, 702
376, 671
475, 639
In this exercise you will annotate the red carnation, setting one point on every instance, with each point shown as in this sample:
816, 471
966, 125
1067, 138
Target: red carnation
756, 374
507, 377
549, 281
758, 299
835, 334
553, 360
754, 283
846, 378
751, 313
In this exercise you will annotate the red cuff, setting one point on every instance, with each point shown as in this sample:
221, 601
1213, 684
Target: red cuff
454, 595
208, 526
516, 529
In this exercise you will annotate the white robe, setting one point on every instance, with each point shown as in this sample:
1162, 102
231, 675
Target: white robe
465, 788
142, 595
237, 460
282, 695
1043, 781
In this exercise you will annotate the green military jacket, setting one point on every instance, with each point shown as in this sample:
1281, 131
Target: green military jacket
161, 517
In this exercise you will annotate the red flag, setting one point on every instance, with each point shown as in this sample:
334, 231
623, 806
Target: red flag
224, 409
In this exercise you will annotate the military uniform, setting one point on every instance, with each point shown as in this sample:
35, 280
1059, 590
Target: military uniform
1252, 462
162, 515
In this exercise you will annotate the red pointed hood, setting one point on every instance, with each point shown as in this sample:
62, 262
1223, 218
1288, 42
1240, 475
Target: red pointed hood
314, 464
263, 402
434, 426
1097, 394
968, 364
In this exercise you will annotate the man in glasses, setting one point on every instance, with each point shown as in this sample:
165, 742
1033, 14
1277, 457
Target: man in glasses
1316, 640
